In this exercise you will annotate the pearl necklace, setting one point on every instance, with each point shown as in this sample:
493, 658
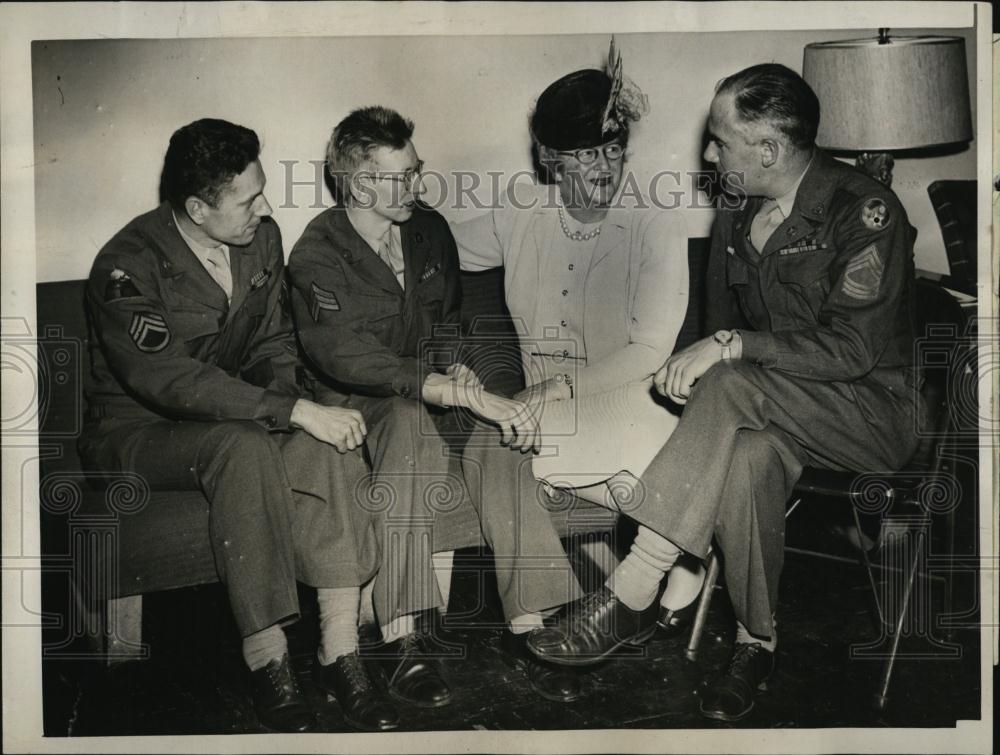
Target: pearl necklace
577, 235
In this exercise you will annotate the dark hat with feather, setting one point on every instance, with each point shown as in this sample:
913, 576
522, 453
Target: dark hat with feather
587, 107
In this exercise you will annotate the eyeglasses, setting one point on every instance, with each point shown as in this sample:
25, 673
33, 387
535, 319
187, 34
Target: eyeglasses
410, 179
587, 155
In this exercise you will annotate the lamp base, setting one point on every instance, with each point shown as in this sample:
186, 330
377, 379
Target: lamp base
878, 165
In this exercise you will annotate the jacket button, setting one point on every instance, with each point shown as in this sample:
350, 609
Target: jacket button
270, 421
564, 292
563, 323
404, 391
570, 265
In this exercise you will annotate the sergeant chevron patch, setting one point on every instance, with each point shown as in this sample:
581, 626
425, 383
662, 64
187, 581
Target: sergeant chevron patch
322, 300
149, 331
863, 275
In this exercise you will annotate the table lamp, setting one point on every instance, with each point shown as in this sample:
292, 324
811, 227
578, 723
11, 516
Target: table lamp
886, 94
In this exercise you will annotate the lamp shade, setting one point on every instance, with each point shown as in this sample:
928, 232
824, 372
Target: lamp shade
909, 92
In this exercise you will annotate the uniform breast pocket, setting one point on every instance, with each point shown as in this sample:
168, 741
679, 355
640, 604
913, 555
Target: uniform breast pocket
256, 304
193, 324
197, 328
806, 269
431, 292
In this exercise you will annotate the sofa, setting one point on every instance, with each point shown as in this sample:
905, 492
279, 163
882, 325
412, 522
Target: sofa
119, 540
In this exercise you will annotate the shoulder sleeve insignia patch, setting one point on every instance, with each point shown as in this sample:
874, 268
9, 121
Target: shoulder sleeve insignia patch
149, 331
120, 286
863, 275
875, 215
322, 300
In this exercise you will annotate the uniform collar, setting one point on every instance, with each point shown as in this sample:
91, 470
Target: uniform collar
816, 187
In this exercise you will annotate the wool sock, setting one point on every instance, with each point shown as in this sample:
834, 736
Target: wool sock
338, 622
525, 623
743, 636
638, 577
260, 648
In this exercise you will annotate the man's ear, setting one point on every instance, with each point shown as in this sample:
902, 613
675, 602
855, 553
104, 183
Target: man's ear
196, 209
770, 150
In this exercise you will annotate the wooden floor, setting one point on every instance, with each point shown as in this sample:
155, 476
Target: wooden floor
195, 682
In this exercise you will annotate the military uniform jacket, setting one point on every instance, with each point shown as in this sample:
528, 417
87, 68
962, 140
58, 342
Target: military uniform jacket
167, 343
363, 332
830, 296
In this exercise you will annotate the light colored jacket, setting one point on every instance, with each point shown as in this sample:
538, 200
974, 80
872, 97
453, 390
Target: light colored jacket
636, 296
636, 292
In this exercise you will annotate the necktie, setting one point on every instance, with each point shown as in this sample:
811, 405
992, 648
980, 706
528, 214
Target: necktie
764, 223
220, 271
391, 256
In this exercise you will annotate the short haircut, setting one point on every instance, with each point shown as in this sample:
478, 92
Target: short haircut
776, 95
356, 137
203, 157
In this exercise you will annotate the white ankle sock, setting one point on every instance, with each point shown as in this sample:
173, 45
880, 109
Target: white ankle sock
638, 577
743, 636
525, 623
338, 622
442, 573
260, 648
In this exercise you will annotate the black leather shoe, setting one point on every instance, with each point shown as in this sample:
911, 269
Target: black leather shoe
589, 629
348, 681
412, 672
674, 623
730, 696
551, 682
279, 702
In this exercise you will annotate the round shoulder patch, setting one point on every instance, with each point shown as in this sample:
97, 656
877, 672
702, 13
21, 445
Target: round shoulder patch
875, 214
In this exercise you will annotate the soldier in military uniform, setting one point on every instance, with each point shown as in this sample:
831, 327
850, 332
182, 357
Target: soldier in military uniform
194, 387
810, 290
376, 297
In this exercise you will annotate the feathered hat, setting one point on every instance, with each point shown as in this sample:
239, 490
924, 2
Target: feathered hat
588, 107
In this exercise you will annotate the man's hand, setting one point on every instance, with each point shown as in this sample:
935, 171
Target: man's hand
680, 372
517, 423
464, 376
460, 386
344, 429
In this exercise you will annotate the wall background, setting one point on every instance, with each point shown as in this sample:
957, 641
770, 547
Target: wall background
104, 111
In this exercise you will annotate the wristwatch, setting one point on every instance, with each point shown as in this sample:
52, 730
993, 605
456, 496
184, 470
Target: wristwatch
725, 339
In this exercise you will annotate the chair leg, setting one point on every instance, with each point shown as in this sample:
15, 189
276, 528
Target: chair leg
896, 631
124, 630
704, 600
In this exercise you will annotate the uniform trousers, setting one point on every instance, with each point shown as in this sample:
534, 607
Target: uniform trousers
731, 464
279, 504
533, 572
411, 482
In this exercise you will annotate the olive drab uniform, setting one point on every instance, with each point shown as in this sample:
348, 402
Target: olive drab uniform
193, 391
826, 376
372, 342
